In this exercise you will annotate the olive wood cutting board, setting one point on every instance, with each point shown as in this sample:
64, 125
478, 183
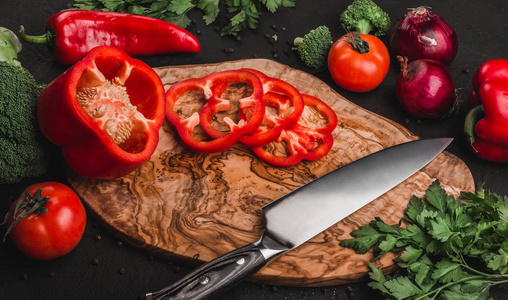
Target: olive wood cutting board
193, 207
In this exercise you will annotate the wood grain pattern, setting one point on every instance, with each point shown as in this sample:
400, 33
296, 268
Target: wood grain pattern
194, 207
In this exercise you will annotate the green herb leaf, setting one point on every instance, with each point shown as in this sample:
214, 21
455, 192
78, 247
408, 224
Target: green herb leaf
180, 7
402, 288
175, 11
364, 239
447, 248
210, 9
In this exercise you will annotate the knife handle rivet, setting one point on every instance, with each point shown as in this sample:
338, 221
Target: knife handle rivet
241, 261
204, 280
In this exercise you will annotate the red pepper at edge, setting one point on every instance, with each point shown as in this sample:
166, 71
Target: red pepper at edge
284, 118
72, 33
105, 113
488, 136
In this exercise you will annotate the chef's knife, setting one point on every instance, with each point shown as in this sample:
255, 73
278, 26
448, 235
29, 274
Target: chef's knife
305, 212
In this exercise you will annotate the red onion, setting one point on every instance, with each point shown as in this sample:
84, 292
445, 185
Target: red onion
425, 88
421, 33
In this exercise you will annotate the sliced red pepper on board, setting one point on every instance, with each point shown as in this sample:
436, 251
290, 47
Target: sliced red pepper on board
212, 87
288, 109
104, 112
72, 33
302, 141
486, 125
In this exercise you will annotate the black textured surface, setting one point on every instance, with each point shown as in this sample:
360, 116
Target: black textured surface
101, 268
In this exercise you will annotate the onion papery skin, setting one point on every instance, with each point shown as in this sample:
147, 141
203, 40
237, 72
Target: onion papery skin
425, 89
422, 34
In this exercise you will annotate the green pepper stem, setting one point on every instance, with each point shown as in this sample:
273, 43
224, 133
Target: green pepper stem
45, 39
472, 117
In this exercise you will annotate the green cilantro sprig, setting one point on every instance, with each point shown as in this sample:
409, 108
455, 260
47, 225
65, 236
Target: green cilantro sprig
449, 249
245, 12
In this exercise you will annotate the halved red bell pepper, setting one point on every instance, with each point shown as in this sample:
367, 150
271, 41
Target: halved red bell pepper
72, 33
212, 86
104, 112
486, 125
301, 141
288, 108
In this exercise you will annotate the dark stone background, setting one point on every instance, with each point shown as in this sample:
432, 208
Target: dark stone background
482, 30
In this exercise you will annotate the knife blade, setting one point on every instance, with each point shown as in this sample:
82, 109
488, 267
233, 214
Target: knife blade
305, 212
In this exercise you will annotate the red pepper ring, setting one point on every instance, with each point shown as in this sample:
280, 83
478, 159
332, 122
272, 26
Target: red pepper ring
301, 141
272, 126
289, 110
209, 86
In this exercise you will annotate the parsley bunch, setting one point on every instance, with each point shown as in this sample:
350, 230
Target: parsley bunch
449, 250
246, 12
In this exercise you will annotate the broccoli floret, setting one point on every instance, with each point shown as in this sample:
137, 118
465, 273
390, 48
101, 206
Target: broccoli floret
22, 145
366, 17
313, 48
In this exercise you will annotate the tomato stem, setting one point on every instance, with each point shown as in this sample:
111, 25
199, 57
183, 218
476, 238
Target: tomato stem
359, 45
22, 208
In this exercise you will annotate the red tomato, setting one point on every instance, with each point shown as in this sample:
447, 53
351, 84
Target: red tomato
55, 232
355, 71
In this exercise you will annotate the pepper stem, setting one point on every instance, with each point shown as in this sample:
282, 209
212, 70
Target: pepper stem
45, 39
472, 117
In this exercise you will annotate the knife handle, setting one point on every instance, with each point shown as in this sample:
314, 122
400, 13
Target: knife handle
215, 277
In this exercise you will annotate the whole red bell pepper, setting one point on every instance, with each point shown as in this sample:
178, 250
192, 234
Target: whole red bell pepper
212, 86
105, 113
302, 142
494, 68
486, 125
72, 33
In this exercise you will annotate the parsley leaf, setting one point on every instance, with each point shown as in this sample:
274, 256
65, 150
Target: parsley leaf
451, 249
246, 12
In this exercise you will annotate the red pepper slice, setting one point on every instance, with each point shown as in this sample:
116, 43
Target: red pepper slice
72, 33
104, 112
301, 141
212, 86
288, 109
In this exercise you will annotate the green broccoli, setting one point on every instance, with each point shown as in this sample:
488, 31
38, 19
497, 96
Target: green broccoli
365, 16
22, 146
313, 48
